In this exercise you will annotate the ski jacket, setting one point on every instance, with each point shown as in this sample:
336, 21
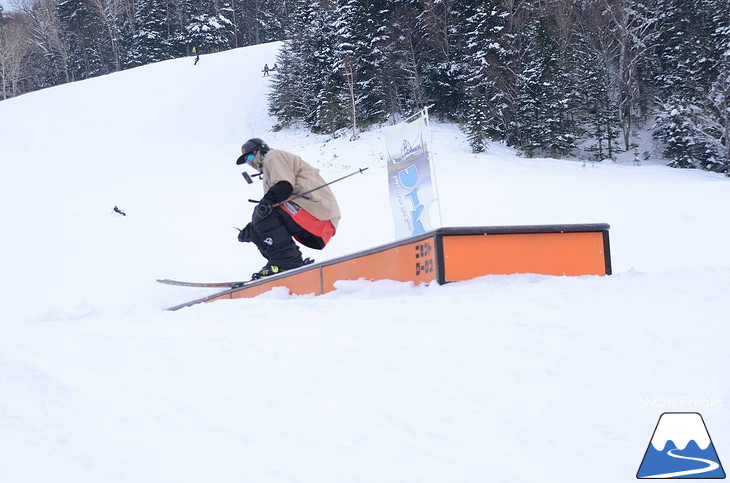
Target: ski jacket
280, 165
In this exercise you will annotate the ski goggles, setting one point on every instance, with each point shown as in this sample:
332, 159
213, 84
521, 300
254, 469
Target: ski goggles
249, 157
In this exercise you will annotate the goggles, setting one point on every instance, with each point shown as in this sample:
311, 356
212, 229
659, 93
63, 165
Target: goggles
249, 157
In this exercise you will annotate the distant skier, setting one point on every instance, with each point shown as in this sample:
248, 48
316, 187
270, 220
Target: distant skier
197, 55
117, 210
311, 220
266, 70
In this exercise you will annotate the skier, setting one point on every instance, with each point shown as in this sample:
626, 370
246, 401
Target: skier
266, 70
197, 55
311, 219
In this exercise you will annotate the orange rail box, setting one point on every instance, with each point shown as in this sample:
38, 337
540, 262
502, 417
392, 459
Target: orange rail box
450, 255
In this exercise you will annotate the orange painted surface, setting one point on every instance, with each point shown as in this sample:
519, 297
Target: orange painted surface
571, 253
465, 257
300, 283
414, 262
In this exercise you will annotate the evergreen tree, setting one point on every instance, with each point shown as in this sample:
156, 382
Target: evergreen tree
288, 95
485, 104
291, 97
713, 120
441, 25
209, 28
82, 31
178, 15
260, 21
543, 120
404, 53
687, 66
675, 130
273, 19
718, 121
332, 98
361, 36
599, 112
720, 93
308, 60
150, 42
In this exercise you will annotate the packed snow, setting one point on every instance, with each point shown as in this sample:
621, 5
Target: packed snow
511, 378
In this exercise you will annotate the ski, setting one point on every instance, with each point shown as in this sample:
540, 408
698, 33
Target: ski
236, 284
181, 283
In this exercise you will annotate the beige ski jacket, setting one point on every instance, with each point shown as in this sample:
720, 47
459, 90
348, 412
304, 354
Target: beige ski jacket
280, 165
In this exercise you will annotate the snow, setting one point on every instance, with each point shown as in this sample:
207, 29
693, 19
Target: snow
503, 378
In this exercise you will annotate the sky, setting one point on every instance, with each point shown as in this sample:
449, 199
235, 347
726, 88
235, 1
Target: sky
524, 377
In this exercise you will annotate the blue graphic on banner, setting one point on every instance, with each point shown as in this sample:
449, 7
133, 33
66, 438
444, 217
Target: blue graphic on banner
409, 176
681, 448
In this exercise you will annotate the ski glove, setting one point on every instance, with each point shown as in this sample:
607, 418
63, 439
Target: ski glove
244, 235
276, 194
262, 210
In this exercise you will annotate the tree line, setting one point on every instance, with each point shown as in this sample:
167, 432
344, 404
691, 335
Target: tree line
548, 77
49, 42
551, 78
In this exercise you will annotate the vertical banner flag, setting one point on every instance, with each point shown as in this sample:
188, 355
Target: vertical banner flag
409, 176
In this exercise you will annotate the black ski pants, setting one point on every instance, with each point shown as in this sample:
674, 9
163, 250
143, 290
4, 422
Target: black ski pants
273, 237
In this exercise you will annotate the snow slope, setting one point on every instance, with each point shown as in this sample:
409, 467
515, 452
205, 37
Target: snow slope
503, 378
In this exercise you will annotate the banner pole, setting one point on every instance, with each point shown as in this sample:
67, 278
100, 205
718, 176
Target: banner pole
437, 198
409, 118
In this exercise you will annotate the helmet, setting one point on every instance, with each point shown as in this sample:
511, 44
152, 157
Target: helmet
252, 146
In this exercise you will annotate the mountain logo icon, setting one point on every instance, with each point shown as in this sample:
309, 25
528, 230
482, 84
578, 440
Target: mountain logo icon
680, 448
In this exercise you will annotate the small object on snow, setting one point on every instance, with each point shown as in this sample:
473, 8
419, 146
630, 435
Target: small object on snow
117, 210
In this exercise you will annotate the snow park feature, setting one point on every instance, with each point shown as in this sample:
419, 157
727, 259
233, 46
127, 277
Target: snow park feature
446, 255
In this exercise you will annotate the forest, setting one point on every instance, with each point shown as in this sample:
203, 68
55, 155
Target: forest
558, 78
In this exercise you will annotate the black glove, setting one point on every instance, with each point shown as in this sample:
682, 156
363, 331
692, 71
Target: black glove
263, 209
244, 235
276, 194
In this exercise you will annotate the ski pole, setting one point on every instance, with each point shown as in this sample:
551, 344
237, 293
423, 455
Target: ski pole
292, 198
